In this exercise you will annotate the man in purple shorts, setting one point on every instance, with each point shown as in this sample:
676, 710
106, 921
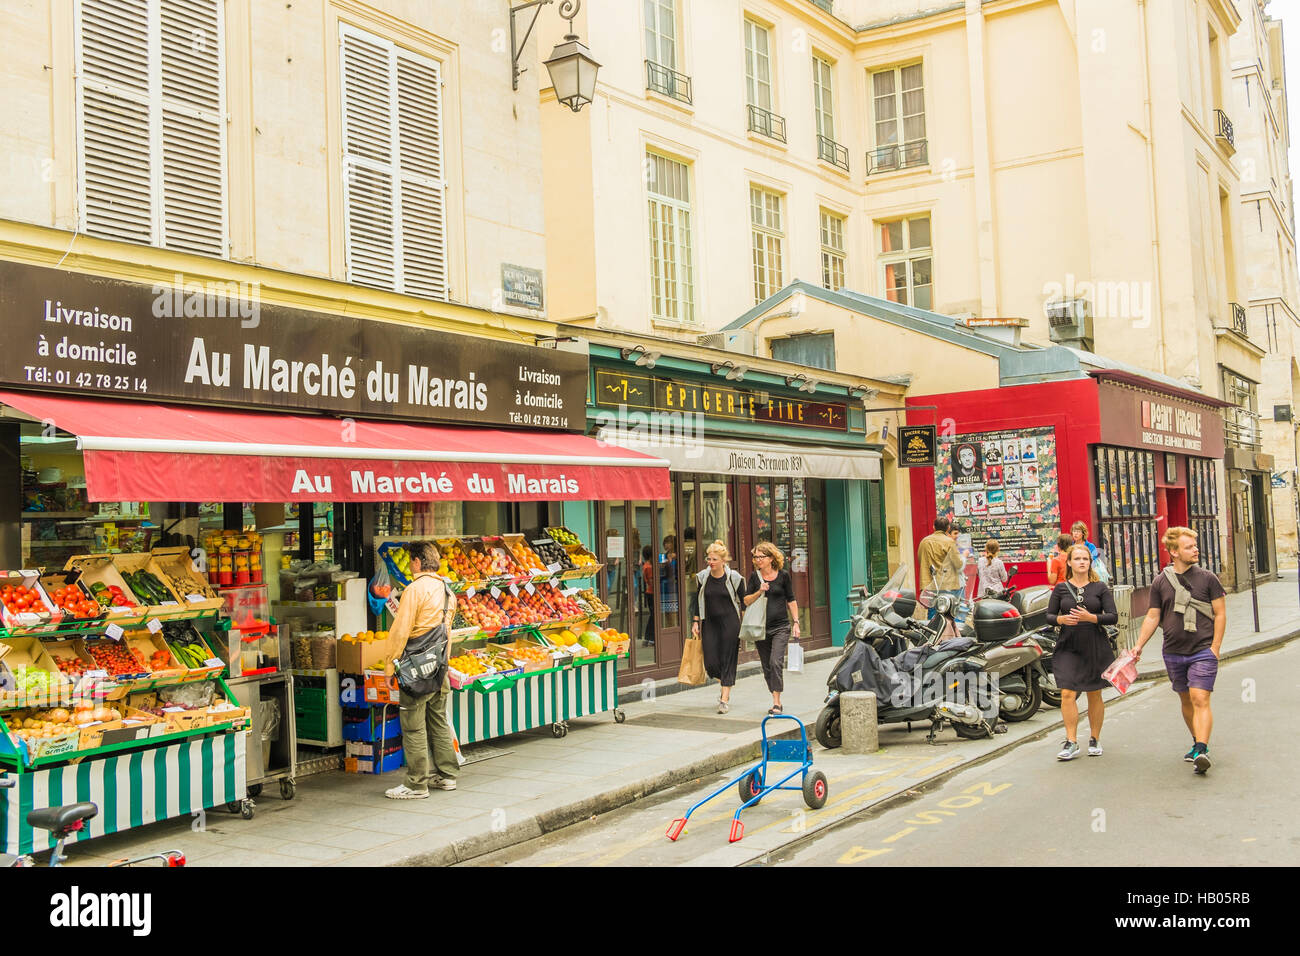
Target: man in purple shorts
1187, 602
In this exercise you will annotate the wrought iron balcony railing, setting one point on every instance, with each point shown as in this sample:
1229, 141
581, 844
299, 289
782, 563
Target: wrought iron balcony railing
899, 156
1239, 319
668, 82
767, 123
832, 152
1223, 127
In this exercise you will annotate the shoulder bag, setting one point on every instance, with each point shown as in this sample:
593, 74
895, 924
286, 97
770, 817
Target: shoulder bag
423, 663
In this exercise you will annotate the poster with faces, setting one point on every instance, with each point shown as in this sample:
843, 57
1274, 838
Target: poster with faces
967, 466
1010, 451
1033, 499
992, 453
1029, 476
1028, 450
1011, 475
1140, 480
1125, 503
1112, 479
961, 504
993, 476
979, 504
1151, 483
1136, 503
1015, 503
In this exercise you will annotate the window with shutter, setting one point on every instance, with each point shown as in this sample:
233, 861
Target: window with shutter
151, 123
394, 201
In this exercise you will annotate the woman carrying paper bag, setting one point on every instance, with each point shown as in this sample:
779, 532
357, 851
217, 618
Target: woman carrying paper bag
715, 613
774, 587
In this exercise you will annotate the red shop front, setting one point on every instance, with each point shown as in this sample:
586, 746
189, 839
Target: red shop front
1127, 455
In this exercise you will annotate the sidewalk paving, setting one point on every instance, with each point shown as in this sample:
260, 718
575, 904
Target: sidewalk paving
536, 784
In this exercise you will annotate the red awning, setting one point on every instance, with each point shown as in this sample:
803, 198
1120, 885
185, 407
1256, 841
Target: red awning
137, 451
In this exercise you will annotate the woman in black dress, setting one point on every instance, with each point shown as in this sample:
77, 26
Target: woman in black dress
782, 615
715, 614
1081, 605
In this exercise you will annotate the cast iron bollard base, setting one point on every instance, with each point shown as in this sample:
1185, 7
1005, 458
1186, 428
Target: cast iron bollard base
858, 727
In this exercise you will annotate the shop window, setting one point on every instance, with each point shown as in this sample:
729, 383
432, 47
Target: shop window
1130, 526
393, 187
151, 127
906, 263
815, 350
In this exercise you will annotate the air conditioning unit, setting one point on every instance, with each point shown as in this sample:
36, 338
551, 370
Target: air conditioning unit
1068, 320
741, 341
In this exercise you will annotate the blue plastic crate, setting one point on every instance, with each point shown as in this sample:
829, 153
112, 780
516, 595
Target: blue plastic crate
372, 729
390, 762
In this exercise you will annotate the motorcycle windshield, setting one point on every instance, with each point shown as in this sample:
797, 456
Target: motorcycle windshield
886, 595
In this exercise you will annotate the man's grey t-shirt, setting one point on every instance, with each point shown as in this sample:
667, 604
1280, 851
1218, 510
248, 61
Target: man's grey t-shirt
1204, 587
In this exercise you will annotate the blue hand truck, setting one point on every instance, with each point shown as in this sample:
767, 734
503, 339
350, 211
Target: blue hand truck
753, 785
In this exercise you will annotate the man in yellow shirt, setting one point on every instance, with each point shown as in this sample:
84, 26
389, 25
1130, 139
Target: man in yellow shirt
938, 562
426, 732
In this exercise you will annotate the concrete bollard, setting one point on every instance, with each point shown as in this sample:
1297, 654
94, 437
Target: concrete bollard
858, 729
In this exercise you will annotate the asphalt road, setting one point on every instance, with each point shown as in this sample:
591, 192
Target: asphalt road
1138, 804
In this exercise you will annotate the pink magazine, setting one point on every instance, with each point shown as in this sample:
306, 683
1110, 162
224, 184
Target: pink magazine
1122, 672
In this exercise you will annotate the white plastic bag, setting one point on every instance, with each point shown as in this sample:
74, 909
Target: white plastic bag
794, 657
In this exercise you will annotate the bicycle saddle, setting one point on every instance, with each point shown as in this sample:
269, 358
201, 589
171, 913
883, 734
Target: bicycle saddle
60, 818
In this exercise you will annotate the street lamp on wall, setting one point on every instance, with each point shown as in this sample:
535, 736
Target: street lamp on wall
571, 65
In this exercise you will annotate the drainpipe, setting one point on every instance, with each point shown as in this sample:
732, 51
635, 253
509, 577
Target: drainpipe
1153, 207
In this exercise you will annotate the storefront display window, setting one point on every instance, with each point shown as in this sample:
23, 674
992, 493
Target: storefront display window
1128, 530
1203, 494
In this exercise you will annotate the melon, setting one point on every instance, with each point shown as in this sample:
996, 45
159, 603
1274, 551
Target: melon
592, 642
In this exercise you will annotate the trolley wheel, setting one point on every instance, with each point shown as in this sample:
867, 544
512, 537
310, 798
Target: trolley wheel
751, 784
560, 729
288, 788
246, 809
814, 789
620, 716
233, 806
255, 790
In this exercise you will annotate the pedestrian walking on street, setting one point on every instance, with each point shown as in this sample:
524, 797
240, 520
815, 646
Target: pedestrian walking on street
426, 605
771, 580
992, 572
1058, 568
1189, 606
938, 562
648, 595
1081, 606
1079, 533
715, 617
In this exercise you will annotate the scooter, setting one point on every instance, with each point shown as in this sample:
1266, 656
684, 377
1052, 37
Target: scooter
944, 681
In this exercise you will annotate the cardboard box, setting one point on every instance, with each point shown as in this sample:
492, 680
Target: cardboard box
28, 620
380, 689
179, 721
359, 657
99, 569
54, 580
179, 574
130, 563
233, 715
53, 746
28, 652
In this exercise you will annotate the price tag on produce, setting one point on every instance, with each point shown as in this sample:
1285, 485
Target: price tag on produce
553, 567
495, 592
555, 582
195, 598
29, 574
529, 588
94, 675
470, 592
213, 662
113, 632
154, 625
391, 604
514, 589
170, 604
570, 592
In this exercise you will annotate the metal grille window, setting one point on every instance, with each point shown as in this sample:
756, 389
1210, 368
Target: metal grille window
672, 281
151, 129
758, 66
1241, 422
905, 261
768, 235
393, 187
661, 33
832, 229
898, 100
816, 350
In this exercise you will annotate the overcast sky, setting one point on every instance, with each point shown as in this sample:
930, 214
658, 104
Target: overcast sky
1288, 11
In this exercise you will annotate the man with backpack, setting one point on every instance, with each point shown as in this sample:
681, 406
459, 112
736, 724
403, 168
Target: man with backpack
419, 630
1188, 604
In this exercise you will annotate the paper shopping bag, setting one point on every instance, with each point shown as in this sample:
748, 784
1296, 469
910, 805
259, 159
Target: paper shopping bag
794, 658
692, 670
1122, 672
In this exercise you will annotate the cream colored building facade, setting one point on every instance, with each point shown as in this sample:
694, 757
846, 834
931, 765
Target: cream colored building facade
1268, 227
150, 140
1002, 157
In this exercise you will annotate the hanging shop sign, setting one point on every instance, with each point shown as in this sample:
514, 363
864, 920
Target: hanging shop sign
70, 332
1003, 485
1137, 419
653, 394
916, 446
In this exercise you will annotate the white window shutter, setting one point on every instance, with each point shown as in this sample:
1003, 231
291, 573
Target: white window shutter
150, 122
193, 127
113, 139
419, 130
369, 195
395, 225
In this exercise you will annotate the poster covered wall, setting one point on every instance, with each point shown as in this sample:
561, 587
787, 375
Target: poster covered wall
1004, 485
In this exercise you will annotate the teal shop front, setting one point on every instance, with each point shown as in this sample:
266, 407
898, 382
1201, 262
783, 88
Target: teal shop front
750, 461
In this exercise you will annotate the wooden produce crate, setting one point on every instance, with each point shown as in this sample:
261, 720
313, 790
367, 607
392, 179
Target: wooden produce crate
130, 563
28, 652
74, 649
523, 554
177, 571
99, 569
53, 580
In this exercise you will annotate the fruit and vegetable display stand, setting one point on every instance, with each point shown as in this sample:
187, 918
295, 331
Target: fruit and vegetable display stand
528, 649
110, 692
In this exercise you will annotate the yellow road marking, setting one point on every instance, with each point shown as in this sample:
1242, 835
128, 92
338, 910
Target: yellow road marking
860, 853
899, 835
